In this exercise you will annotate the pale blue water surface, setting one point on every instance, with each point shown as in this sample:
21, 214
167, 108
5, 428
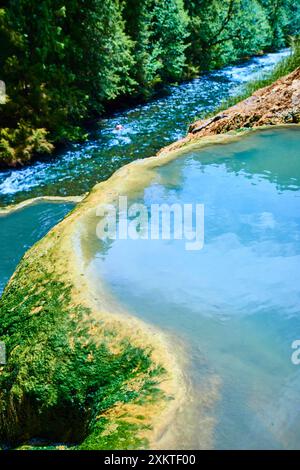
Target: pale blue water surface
235, 304
147, 128
19, 230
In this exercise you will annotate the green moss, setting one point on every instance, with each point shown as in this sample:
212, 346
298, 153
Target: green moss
123, 435
60, 378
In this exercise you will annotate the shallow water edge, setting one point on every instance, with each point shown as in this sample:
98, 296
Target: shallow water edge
67, 244
132, 179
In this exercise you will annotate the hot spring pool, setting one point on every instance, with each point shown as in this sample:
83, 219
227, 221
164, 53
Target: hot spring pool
235, 304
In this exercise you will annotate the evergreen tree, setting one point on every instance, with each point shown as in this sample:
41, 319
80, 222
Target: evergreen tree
63, 60
225, 30
170, 33
60, 62
139, 26
159, 30
284, 19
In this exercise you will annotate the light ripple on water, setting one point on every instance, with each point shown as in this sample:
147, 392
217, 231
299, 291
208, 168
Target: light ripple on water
235, 303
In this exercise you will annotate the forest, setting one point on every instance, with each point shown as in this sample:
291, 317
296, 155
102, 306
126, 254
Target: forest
64, 62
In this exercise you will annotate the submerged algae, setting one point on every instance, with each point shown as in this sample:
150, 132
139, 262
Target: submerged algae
65, 371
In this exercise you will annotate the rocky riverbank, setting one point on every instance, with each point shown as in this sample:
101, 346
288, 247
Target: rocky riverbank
276, 104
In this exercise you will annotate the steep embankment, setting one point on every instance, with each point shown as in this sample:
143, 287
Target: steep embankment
276, 104
75, 373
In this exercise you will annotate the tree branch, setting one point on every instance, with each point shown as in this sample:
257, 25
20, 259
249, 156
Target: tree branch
214, 40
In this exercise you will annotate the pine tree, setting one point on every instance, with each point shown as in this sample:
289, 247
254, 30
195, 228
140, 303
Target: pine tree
225, 30
159, 30
61, 63
170, 33
139, 18
284, 19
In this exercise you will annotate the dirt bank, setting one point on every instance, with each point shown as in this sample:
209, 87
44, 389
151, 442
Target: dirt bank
276, 104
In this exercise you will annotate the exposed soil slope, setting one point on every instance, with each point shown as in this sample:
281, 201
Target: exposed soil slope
276, 104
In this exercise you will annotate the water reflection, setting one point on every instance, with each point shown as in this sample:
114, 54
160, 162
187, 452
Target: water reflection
235, 303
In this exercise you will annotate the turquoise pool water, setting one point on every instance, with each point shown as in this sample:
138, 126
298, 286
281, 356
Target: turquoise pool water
147, 128
235, 304
19, 230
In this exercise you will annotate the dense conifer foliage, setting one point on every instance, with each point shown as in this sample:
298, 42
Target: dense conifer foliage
64, 61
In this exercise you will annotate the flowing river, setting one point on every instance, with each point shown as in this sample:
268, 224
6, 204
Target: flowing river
236, 302
146, 128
